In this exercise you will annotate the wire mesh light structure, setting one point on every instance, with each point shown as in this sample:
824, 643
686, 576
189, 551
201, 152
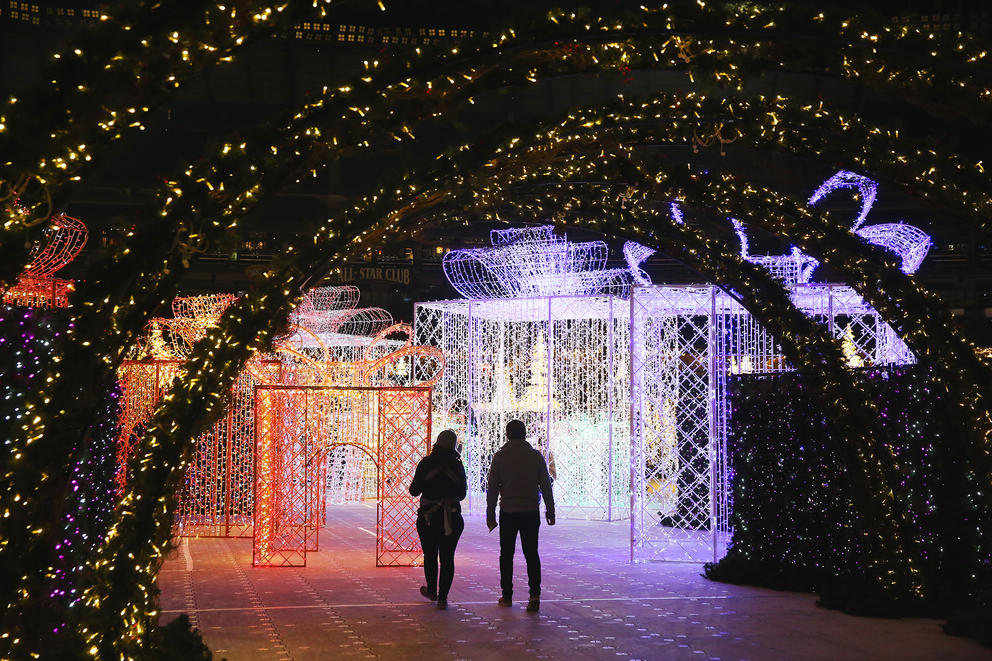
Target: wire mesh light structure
296, 427
793, 268
62, 241
559, 364
533, 261
627, 399
910, 243
685, 341
354, 350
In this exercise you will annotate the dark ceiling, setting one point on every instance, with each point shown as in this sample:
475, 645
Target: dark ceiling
275, 75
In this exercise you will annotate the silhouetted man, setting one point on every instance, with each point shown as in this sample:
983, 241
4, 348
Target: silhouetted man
518, 477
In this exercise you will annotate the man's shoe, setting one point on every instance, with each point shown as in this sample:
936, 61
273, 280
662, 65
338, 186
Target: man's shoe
424, 591
534, 604
504, 601
442, 604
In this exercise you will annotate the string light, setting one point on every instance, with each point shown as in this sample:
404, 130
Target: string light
211, 196
533, 261
792, 514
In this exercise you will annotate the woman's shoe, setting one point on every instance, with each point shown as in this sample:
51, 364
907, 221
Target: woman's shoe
442, 604
534, 604
424, 591
504, 602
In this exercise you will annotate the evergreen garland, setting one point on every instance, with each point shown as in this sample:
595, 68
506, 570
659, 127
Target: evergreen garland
794, 527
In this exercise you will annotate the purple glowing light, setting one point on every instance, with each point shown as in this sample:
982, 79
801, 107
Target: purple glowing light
635, 254
910, 243
867, 188
533, 261
796, 268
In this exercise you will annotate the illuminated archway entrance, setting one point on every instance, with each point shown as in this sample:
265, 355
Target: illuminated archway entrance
295, 427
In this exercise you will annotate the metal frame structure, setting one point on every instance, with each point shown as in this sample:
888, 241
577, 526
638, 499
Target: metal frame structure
534, 261
351, 350
295, 428
628, 399
684, 341
217, 496
558, 363
62, 241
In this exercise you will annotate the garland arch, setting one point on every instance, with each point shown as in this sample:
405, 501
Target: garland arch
248, 171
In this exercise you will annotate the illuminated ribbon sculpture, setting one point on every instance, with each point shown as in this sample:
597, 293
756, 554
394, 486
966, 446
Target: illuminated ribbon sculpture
533, 262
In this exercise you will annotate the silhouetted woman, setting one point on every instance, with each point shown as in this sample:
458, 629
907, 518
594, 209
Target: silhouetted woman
440, 483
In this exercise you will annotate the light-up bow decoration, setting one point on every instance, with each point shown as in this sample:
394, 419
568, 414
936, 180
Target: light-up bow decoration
867, 189
794, 268
61, 242
910, 243
328, 340
533, 261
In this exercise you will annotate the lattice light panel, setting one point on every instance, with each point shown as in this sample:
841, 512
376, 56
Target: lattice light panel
557, 363
684, 343
336, 439
627, 399
297, 426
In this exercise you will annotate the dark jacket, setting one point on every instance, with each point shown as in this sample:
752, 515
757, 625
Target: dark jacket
519, 476
440, 476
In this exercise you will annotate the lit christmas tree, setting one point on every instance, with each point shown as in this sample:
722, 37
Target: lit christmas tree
537, 396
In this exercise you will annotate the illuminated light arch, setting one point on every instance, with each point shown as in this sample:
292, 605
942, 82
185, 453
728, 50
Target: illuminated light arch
277, 304
296, 427
702, 248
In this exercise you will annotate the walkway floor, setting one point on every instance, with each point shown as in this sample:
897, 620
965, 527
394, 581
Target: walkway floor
595, 605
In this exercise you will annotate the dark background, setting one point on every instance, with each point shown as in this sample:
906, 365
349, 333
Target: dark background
277, 74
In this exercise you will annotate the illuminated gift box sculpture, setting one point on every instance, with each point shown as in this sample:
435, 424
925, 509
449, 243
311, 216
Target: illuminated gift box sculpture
542, 338
336, 381
622, 383
685, 341
62, 240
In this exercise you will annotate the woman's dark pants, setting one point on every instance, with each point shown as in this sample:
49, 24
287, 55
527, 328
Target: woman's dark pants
438, 547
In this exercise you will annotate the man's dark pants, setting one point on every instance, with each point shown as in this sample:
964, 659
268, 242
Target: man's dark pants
527, 524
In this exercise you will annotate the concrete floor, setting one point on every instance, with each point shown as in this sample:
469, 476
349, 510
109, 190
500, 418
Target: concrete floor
595, 605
